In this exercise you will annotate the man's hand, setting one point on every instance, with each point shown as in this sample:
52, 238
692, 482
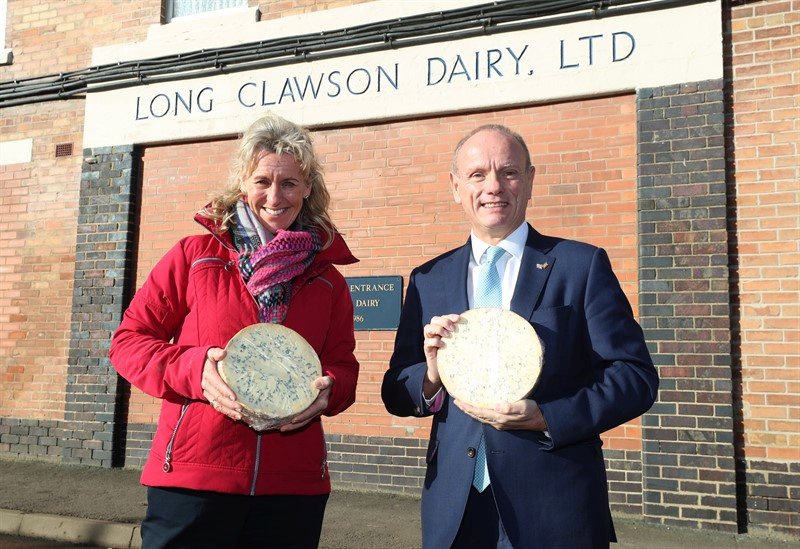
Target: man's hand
440, 328
324, 384
215, 390
521, 415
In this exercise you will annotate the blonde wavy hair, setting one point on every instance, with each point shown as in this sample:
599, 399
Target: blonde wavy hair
273, 134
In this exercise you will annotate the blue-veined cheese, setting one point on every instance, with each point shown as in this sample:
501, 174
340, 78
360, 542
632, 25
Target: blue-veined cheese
271, 368
493, 356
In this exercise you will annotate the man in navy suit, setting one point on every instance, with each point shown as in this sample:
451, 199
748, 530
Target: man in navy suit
547, 480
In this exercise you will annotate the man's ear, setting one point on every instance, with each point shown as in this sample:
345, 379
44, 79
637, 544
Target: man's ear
454, 187
530, 183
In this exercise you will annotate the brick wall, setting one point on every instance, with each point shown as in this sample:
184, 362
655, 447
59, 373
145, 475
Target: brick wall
50, 37
95, 413
39, 204
764, 213
90, 396
688, 435
389, 464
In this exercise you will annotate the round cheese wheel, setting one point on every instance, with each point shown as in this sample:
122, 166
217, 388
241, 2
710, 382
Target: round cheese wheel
493, 356
271, 368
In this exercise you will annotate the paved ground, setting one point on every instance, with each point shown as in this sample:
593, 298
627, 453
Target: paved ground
94, 506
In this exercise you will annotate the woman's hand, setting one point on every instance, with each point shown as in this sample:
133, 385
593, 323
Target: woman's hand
324, 384
215, 390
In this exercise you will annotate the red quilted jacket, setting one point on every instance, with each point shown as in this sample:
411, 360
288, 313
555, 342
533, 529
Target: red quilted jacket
195, 299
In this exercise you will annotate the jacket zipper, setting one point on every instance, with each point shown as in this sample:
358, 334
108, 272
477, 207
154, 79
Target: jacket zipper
167, 467
220, 240
228, 264
255, 468
324, 466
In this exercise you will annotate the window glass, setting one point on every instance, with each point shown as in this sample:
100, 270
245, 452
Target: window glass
180, 8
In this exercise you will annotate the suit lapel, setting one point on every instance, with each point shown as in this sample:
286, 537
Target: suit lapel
533, 273
453, 284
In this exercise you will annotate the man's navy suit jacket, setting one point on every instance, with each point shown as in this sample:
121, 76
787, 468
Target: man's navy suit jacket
597, 374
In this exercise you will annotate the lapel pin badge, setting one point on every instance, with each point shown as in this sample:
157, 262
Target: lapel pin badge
542, 266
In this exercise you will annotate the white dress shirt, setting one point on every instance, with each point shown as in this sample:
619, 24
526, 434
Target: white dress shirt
507, 267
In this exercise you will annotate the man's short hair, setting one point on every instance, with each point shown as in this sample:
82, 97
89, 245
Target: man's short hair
499, 128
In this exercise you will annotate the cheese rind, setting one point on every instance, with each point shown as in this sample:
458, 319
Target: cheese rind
493, 356
271, 368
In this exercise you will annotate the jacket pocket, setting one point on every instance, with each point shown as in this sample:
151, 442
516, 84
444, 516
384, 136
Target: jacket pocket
324, 465
559, 338
218, 303
167, 466
205, 262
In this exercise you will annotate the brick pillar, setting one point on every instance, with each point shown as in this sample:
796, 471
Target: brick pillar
96, 398
689, 476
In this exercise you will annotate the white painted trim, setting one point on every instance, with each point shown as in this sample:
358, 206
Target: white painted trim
16, 152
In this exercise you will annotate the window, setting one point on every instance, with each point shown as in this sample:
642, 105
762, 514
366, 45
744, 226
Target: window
181, 8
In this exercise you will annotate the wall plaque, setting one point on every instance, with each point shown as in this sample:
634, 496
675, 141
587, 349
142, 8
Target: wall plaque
376, 301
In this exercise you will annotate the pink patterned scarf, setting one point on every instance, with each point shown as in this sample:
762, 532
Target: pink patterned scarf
273, 271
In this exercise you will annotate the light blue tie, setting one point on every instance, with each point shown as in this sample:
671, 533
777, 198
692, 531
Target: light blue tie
488, 293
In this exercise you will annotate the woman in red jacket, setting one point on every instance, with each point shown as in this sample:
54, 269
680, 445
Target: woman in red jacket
268, 256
